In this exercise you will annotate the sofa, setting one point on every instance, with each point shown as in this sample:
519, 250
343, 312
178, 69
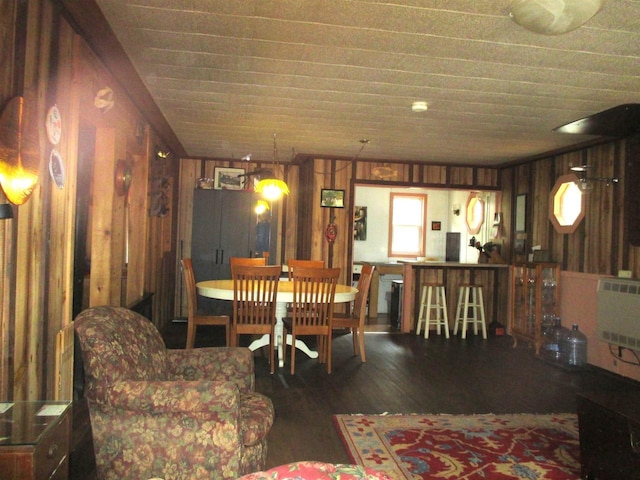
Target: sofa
173, 414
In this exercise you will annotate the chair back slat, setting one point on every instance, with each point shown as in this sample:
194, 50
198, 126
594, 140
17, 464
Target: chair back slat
190, 285
364, 282
314, 292
247, 261
254, 294
294, 263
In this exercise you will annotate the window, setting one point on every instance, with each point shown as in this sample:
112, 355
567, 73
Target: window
407, 225
475, 213
566, 204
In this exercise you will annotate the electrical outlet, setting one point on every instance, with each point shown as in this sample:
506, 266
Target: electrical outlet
624, 273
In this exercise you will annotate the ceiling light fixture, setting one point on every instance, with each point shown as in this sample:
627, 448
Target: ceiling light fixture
419, 106
585, 185
553, 17
273, 188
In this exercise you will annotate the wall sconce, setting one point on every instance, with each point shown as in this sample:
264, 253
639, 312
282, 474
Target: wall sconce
162, 153
456, 210
262, 206
585, 180
17, 180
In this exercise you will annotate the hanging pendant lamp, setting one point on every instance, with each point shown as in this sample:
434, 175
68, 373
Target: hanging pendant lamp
553, 17
272, 187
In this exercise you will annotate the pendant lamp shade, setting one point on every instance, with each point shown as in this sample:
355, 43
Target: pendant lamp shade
553, 17
272, 187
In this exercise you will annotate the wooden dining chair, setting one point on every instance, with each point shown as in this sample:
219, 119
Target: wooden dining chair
254, 303
356, 318
314, 291
293, 263
247, 261
196, 317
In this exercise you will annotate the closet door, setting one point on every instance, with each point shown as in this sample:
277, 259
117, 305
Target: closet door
237, 220
205, 242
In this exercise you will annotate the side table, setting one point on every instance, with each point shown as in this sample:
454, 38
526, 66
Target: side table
609, 424
34, 440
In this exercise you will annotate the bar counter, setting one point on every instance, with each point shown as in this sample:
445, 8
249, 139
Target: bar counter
492, 276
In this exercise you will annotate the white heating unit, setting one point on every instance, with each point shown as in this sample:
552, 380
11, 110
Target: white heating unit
619, 312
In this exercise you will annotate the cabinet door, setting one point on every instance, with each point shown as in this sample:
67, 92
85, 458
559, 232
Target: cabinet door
205, 237
226, 225
237, 228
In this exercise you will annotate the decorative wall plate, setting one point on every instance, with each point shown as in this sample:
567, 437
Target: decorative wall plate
123, 177
56, 168
54, 125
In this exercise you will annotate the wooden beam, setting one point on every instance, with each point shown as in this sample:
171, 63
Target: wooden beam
88, 20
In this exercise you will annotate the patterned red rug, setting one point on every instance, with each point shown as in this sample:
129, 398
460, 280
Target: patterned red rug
490, 447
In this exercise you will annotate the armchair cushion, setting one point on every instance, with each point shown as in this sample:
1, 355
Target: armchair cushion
168, 413
222, 363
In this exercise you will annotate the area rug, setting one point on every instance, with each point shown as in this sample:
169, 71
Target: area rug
495, 447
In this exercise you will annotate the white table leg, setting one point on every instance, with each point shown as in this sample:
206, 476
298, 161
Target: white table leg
281, 312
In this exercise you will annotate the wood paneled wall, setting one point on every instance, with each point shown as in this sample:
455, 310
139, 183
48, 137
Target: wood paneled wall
51, 64
601, 243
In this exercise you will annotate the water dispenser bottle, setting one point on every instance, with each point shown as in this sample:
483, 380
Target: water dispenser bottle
573, 348
551, 338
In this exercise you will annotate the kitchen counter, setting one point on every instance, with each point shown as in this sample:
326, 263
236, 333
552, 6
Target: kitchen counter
492, 277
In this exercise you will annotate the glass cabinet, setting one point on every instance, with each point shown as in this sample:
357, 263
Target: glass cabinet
534, 301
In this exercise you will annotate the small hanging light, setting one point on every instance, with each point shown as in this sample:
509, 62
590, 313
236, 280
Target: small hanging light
272, 187
261, 207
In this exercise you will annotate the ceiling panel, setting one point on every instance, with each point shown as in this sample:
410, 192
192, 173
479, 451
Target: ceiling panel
323, 75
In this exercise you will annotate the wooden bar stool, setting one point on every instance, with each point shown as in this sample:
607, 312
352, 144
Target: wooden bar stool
433, 299
470, 297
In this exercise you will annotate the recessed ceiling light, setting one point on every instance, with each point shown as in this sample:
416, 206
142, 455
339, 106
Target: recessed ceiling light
419, 106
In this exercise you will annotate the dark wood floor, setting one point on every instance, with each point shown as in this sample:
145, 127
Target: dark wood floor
406, 374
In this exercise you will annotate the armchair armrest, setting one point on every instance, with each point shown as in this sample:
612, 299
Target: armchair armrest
175, 397
230, 364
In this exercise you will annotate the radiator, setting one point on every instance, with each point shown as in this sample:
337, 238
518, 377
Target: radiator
619, 312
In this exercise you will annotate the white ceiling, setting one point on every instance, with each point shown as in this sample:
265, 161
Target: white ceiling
324, 74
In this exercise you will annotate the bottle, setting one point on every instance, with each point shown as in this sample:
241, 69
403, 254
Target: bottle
551, 336
573, 348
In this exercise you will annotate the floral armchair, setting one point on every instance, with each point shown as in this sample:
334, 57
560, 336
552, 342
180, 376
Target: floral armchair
175, 414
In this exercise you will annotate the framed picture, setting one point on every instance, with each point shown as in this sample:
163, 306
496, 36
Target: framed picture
332, 198
228, 178
519, 246
360, 223
521, 213
436, 226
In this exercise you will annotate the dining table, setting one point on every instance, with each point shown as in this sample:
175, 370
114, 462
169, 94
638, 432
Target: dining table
223, 290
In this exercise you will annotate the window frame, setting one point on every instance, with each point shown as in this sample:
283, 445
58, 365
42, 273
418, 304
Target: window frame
555, 199
422, 228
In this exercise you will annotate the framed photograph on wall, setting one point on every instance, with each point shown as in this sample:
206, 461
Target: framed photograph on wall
519, 246
521, 213
360, 223
332, 198
228, 178
436, 226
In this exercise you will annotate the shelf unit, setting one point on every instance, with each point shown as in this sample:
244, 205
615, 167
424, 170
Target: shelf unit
535, 292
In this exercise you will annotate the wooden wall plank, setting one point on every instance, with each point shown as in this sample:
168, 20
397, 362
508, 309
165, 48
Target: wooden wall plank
101, 288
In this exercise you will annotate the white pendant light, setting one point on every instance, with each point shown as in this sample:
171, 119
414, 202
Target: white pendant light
553, 17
